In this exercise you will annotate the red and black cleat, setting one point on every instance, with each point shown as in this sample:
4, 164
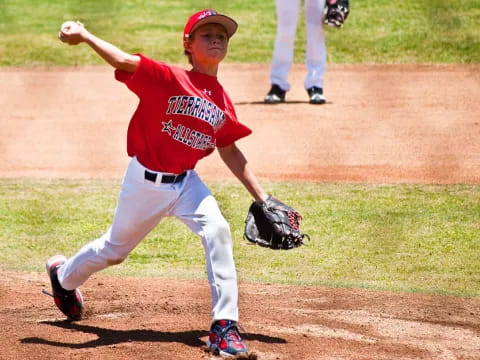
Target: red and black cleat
70, 302
225, 340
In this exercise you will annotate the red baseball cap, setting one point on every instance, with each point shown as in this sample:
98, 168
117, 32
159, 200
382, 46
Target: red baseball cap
208, 16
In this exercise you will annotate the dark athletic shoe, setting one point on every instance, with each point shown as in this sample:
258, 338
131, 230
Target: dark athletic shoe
70, 302
275, 95
225, 340
316, 95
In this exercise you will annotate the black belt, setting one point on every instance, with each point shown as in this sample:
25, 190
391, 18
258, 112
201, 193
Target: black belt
166, 179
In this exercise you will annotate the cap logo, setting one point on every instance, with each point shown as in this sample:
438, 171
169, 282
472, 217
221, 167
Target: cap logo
202, 16
206, 14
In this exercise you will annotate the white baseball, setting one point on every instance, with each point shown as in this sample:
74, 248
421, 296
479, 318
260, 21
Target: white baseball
68, 25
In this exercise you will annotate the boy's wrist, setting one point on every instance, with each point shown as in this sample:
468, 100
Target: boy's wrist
85, 35
261, 198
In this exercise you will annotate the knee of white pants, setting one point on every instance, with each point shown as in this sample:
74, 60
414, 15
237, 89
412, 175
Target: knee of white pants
218, 245
93, 257
286, 38
115, 260
113, 255
109, 252
218, 231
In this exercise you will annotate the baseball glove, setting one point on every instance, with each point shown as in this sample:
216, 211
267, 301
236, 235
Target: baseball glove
336, 12
274, 225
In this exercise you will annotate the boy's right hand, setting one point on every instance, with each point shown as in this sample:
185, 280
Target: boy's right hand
72, 32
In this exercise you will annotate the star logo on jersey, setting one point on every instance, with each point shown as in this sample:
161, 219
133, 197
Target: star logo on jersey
168, 127
208, 92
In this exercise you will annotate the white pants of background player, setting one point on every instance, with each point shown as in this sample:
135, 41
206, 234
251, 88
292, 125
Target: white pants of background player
141, 206
315, 57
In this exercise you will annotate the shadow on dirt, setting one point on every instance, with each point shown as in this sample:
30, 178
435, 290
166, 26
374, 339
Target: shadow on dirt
289, 102
108, 337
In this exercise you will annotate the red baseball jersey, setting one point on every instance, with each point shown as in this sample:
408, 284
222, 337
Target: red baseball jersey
181, 116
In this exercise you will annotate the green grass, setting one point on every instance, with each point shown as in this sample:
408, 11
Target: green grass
406, 237
382, 31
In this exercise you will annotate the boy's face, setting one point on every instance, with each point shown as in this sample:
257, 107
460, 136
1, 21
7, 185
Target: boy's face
209, 44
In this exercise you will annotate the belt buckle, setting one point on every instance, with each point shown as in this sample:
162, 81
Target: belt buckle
159, 178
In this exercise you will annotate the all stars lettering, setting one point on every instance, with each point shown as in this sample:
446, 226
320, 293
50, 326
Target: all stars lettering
194, 139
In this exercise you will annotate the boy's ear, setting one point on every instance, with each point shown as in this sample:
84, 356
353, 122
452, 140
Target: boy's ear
186, 44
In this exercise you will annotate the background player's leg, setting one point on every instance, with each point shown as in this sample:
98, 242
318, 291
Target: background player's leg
199, 210
316, 54
287, 18
140, 207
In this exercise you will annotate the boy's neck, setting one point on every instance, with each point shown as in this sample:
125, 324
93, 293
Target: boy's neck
211, 70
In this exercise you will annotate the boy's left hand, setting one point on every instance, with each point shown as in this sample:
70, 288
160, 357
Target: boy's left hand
274, 224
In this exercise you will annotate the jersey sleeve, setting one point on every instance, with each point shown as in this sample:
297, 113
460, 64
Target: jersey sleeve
232, 130
147, 76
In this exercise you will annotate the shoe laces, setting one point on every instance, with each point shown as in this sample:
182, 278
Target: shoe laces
229, 330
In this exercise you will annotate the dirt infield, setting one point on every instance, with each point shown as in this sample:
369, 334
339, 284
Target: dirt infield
399, 123
382, 124
167, 319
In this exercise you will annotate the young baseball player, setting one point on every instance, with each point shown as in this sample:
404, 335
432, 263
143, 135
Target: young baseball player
182, 116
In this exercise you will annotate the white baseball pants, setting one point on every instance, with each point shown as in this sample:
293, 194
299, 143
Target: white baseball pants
316, 55
141, 206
